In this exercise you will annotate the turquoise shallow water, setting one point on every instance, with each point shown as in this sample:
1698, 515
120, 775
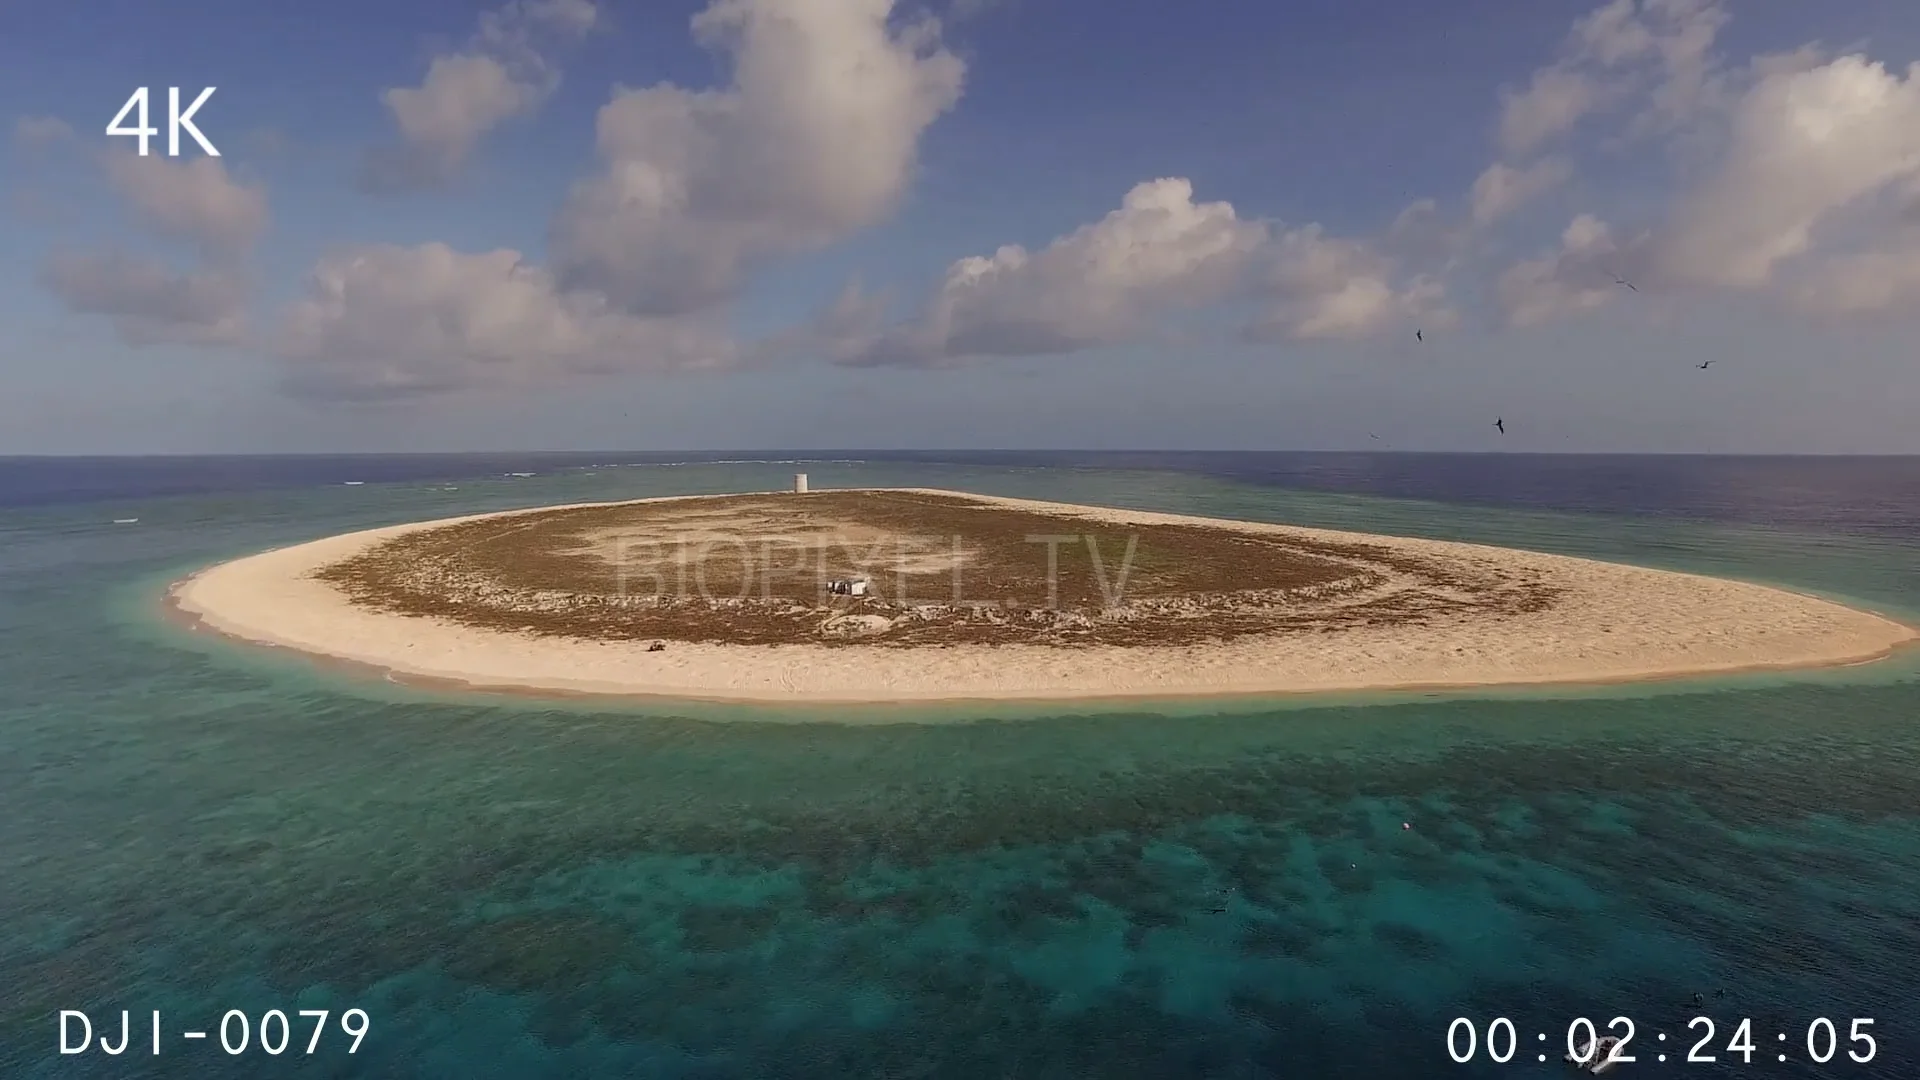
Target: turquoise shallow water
516, 890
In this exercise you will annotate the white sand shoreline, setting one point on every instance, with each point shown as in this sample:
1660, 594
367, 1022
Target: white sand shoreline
1615, 623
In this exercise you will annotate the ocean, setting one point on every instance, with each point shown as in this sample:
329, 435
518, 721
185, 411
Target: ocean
1304, 888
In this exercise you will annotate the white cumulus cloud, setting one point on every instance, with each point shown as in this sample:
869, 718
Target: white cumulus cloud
1581, 274
1100, 284
1553, 101
1318, 287
1805, 145
191, 199
505, 71
1653, 53
384, 321
1798, 167
816, 137
1114, 280
1502, 188
149, 302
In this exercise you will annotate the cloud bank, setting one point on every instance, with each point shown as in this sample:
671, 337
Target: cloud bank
191, 201
1795, 175
1112, 281
384, 321
1802, 195
815, 137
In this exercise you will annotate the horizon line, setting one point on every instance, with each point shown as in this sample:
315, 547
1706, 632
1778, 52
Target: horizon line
883, 453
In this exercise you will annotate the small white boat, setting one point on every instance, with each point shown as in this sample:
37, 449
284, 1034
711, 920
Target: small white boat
125, 521
1598, 1058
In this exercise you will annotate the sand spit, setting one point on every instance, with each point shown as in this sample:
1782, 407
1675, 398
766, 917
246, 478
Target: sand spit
1606, 622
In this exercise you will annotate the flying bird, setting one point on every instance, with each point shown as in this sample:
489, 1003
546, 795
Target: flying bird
1420, 336
1704, 364
1618, 280
1501, 424
1371, 435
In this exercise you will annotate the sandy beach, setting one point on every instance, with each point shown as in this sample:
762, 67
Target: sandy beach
1609, 622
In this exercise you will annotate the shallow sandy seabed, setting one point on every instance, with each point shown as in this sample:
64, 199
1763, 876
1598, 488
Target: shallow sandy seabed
1612, 623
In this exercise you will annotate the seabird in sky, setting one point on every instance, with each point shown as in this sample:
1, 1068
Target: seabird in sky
1420, 336
1703, 364
1501, 424
1618, 280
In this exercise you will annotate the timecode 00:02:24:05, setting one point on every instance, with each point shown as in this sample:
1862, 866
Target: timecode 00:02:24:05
1823, 1040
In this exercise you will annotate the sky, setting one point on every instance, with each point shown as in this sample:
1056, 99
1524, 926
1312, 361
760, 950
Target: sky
442, 225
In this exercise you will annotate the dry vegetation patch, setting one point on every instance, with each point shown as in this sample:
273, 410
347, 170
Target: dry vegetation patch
941, 569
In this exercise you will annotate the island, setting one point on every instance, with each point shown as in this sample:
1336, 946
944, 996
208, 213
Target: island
888, 595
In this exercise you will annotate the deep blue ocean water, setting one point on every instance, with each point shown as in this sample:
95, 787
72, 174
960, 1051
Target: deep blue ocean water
514, 889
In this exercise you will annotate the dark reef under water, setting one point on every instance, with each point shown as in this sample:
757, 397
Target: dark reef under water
517, 891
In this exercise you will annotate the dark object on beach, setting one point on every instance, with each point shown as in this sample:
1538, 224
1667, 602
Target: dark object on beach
1501, 423
848, 587
658, 646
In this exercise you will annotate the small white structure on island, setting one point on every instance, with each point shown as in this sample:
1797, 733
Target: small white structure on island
845, 587
799, 483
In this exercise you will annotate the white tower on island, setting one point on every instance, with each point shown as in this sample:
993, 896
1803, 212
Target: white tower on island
799, 483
